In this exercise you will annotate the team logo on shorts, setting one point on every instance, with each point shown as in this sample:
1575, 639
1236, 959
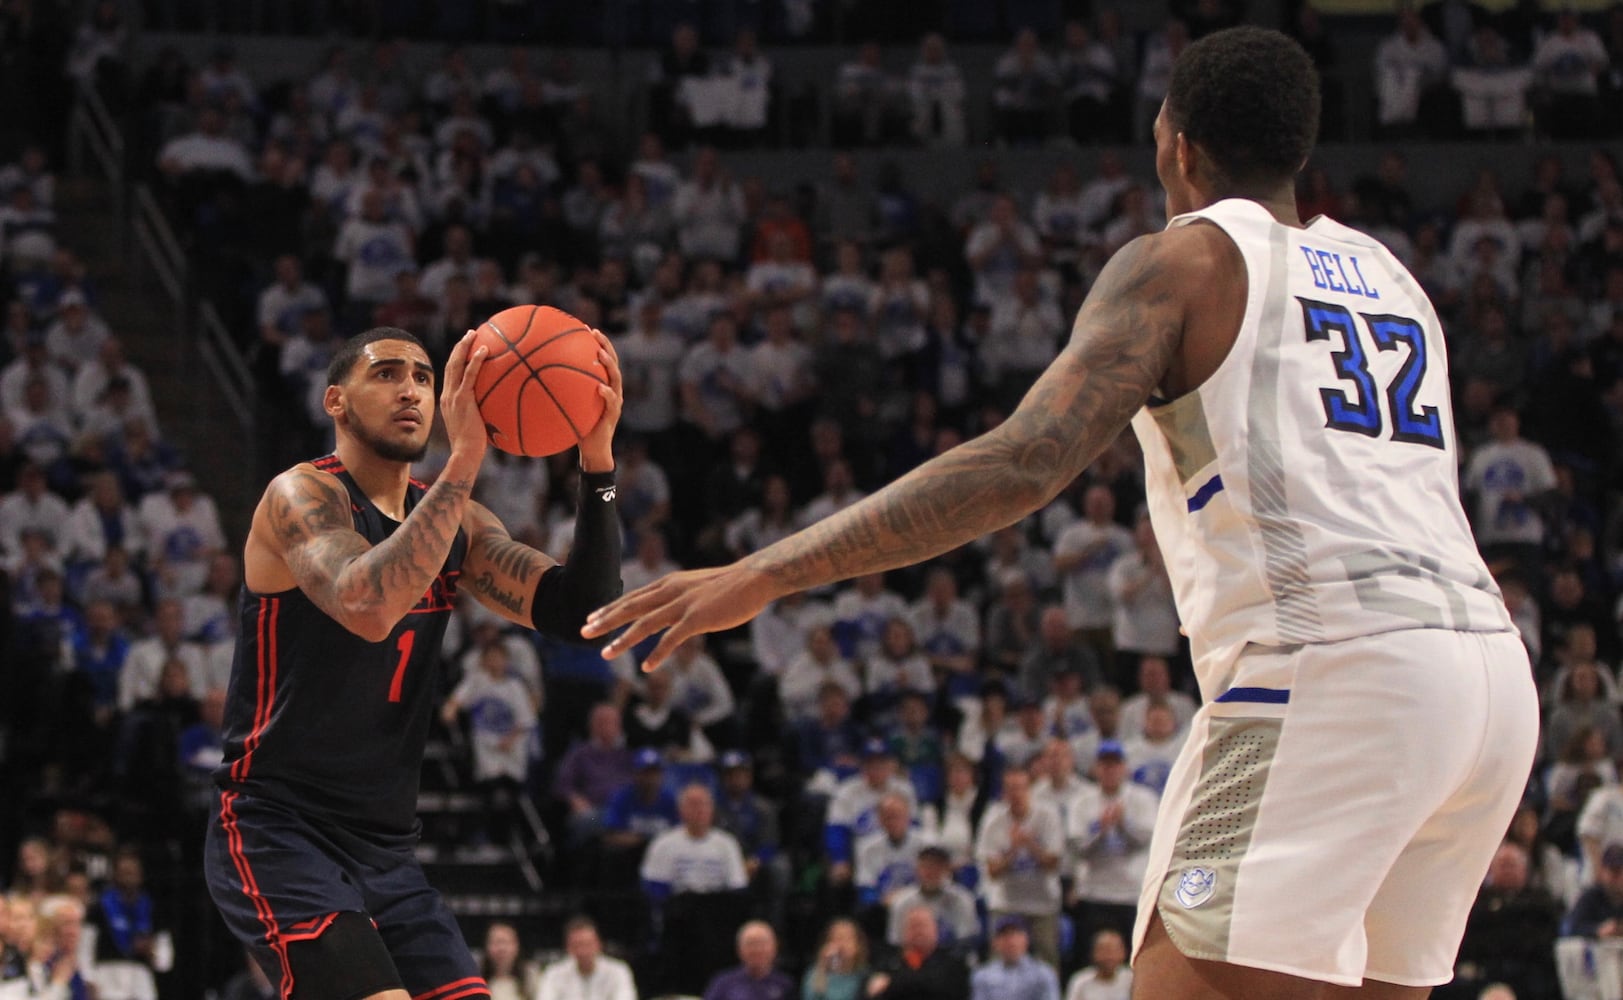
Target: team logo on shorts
1195, 886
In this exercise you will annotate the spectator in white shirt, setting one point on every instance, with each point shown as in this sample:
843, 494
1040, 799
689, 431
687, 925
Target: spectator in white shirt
99, 521
1019, 847
948, 630
1024, 86
696, 856
1083, 555
649, 358
32, 506
457, 259
143, 667
1145, 618
1508, 476
77, 334
781, 279
839, 492
650, 562
587, 973
207, 150
898, 306
183, 533
1408, 62
1109, 835
660, 177
868, 105
998, 249
1568, 63
42, 429
699, 687
375, 249
285, 301
1027, 329
937, 91
34, 362
818, 663
709, 210
1152, 749
1155, 688
716, 380
1161, 51
1087, 73
1109, 977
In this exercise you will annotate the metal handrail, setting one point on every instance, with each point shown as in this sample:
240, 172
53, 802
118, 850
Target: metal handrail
93, 128
226, 363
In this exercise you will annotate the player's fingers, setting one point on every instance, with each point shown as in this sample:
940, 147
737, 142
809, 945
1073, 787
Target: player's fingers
612, 369
637, 631
476, 361
458, 360
607, 344
622, 610
673, 637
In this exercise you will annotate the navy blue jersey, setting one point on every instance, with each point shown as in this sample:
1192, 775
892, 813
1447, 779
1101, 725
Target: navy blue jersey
323, 721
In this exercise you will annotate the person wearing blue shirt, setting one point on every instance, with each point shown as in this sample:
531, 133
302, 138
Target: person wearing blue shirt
1013, 974
642, 810
754, 821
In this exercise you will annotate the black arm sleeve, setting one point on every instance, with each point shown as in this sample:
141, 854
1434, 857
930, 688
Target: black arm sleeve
567, 593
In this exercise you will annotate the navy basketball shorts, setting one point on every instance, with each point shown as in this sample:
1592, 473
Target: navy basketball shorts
280, 879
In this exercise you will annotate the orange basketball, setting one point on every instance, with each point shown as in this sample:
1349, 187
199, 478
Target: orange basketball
538, 388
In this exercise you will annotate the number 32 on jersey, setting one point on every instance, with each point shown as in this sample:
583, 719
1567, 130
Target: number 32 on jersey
1360, 411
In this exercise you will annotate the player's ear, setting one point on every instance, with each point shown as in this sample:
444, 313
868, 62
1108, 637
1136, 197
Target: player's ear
1183, 152
333, 402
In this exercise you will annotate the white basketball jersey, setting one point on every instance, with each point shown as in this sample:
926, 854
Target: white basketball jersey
1308, 490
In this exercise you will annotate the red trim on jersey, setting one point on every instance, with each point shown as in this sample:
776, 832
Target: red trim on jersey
329, 463
418, 483
250, 888
309, 930
475, 984
265, 693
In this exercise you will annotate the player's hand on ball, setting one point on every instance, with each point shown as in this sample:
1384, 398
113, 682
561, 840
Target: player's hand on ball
597, 446
685, 605
459, 403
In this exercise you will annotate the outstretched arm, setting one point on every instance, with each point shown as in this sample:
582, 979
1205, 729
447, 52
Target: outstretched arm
1124, 340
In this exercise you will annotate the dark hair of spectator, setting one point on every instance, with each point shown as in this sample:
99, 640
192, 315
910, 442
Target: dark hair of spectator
350, 351
1249, 98
580, 923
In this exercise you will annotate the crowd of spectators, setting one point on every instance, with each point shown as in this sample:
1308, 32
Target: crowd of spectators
936, 782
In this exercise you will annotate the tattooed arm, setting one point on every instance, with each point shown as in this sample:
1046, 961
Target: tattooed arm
1125, 342
305, 521
500, 572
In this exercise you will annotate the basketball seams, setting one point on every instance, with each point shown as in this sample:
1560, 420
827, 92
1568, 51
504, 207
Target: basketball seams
512, 346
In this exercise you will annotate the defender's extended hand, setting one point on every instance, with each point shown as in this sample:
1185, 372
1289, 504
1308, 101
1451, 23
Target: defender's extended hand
685, 604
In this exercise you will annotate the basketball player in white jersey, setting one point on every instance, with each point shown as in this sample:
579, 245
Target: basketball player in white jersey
1369, 717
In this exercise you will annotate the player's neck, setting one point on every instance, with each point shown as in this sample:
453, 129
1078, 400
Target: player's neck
384, 481
1280, 202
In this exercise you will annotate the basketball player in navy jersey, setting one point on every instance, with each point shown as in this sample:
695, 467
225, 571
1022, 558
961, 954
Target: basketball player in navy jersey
350, 570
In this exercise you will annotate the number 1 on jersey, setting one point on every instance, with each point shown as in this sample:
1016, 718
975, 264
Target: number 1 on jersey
1417, 425
407, 639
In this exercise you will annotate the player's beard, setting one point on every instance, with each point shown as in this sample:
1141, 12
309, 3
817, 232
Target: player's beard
392, 451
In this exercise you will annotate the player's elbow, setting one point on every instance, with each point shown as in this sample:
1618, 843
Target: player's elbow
369, 623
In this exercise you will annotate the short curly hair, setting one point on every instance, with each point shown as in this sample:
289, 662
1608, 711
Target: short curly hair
1249, 97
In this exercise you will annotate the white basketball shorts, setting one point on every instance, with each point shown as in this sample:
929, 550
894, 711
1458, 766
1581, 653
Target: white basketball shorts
1335, 809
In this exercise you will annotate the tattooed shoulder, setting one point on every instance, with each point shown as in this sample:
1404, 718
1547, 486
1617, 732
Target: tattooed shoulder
303, 503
